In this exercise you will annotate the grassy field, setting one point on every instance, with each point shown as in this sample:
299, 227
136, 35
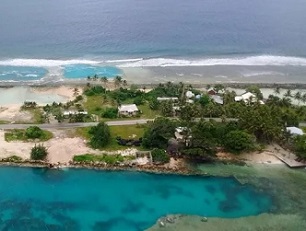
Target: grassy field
125, 132
147, 112
19, 134
95, 104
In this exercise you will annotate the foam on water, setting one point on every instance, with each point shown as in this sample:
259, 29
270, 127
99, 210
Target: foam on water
21, 73
262, 60
108, 200
44, 62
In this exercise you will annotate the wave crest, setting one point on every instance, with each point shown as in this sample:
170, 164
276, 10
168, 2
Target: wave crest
44, 62
263, 60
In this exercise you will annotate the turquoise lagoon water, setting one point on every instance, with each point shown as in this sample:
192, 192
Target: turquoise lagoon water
40, 199
78, 71
21, 73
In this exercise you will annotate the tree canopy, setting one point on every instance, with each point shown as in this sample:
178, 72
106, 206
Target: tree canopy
158, 133
39, 152
34, 132
100, 135
238, 141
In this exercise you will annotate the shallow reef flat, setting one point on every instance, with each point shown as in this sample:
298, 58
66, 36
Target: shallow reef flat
263, 222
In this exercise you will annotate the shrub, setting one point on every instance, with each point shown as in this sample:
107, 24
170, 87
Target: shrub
34, 132
39, 152
88, 158
154, 104
139, 101
110, 113
78, 98
95, 90
299, 143
238, 141
12, 159
160, 156
100, 135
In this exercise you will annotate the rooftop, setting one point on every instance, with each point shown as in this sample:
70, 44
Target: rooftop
128, 108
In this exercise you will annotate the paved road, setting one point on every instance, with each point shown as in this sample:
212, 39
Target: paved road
110, 123
73, 125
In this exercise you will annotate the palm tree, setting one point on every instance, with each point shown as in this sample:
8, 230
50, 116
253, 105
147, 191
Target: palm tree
288, 94
124, 83
95, 77
277, 90
298, 96
76, 91
118, 81
286, 102
304, 98
104, 80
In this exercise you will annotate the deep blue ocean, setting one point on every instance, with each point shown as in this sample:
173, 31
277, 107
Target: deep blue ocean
153, 33
39, 199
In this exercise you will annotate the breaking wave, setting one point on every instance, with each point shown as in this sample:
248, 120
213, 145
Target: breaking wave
263, 60
44, 62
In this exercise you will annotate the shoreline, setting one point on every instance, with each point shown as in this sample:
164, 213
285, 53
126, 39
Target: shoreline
149, 168
82, 83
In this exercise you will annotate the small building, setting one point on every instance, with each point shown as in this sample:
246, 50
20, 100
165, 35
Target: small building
217, 99
174, 99
248, 97
128, 110
213, 91
295, 131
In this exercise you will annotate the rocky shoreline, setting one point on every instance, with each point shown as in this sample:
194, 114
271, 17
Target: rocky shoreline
182, 169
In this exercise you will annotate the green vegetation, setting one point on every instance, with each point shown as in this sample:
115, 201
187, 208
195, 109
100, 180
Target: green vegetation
108, 159
12, 159
158, 133
34, 132
300, 146
126, 132
160, 156
100, 135
110, 113
147, 112
31, 132
39, 152
238, 141
95, 90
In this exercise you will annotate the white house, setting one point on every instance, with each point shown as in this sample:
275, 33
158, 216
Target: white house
128, 109
248, 97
